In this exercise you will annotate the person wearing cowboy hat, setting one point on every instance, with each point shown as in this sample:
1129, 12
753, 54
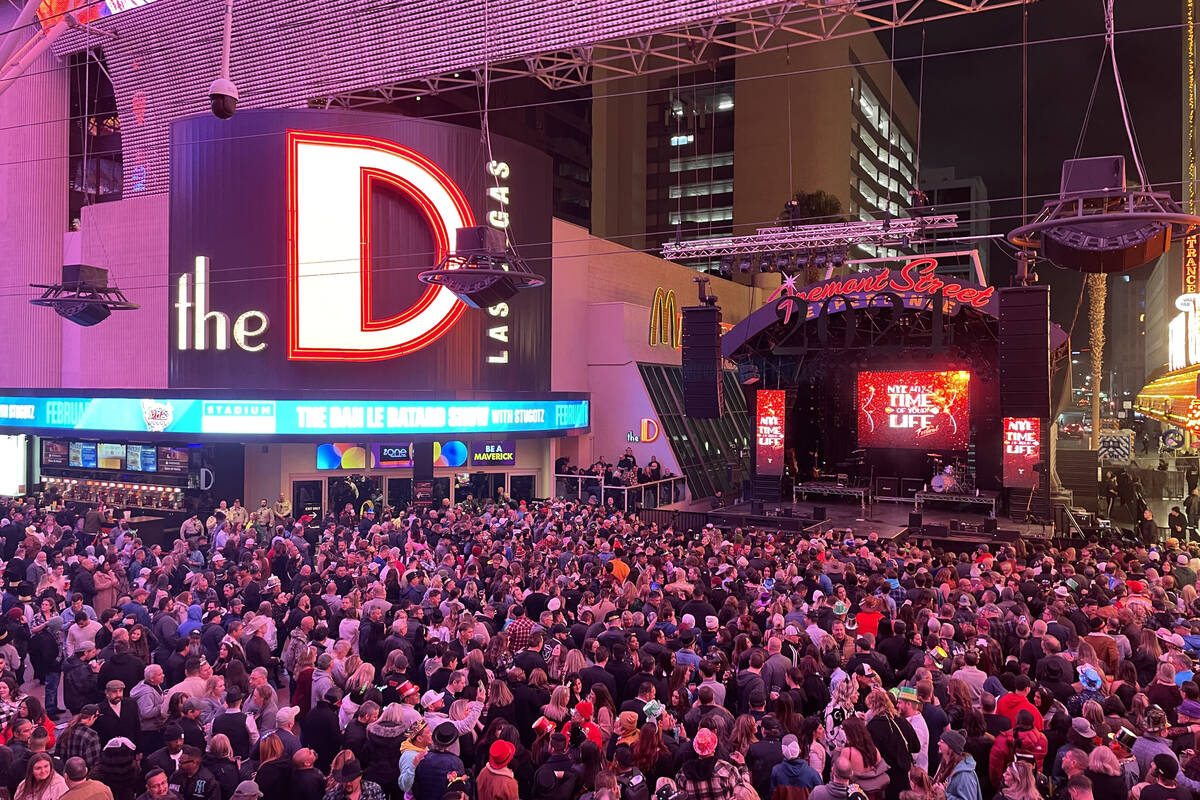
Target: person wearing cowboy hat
349, 784
440, 770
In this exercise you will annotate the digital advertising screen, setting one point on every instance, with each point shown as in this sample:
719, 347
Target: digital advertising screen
393, 455
55, 453
141, 457
1022, 451
490, 454
914, 409
241, 417
82, 455
110, 456
173, 460
769, 431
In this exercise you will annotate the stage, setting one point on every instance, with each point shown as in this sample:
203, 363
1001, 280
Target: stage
889, 520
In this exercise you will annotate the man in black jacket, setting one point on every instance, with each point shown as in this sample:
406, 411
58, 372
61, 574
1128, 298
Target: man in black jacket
555, 779
192, 781
764, 754
598, 673
118, 714
320, 729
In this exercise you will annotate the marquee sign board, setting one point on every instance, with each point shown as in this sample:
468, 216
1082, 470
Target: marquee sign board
297, 236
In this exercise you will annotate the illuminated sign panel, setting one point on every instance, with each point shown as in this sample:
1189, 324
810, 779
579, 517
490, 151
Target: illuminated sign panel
1191, 265
289, 417
914, 409
1022, 451
769, 426
488, 454
50, 12
297, 237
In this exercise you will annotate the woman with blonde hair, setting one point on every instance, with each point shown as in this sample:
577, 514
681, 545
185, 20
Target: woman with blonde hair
1104, 770
922, 787
556, 710
840, 708
357, 685
1019, 783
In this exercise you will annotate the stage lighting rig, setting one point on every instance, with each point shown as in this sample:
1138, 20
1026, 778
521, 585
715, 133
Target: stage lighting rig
836, 237
482, 271
84, 296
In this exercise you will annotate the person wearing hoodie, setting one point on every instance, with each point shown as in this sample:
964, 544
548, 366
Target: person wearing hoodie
322, 679
386, 737
192, 623
956, 771
416, 744
496, 781
793, 774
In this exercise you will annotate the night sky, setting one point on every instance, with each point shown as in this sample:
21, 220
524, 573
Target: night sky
971, 109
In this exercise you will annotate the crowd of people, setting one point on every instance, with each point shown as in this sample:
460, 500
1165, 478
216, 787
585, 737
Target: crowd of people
569, 651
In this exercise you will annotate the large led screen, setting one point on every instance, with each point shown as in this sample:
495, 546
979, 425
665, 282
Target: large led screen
768, 431
926, 410
1022, 451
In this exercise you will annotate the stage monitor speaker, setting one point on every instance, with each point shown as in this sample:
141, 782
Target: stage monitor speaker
887, 487
818, 514
989, 524
935, 531
701, 362
1024, 352
422, 461
914, 519
955, 525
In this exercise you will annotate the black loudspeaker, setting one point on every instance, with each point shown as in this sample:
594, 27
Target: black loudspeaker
422, 453
701, 359
935, 531
910, 486
1025, 351
787, 511
818, 514
955, 525
914, 519
83, 314
887, 487
989, 525
756, 507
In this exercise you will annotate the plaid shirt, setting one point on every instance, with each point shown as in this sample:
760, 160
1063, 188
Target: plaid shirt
82, 741
719, 786
518, 634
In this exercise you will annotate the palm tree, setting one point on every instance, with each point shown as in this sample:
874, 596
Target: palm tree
812, 208
1097, 287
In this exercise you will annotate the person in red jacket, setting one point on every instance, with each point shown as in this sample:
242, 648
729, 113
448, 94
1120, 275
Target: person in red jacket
1021, 741
582, 719
1018, 700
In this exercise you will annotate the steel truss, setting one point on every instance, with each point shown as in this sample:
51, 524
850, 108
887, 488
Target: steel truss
766, 28
900, 231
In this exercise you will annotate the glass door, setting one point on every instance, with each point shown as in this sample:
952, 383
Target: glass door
399, 492
522, 487
306, 499
356, 491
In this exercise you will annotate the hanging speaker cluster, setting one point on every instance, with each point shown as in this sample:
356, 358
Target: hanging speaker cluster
84, 296
482, 271
1098, 225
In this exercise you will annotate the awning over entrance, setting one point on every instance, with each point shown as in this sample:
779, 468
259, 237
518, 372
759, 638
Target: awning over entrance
1171, 398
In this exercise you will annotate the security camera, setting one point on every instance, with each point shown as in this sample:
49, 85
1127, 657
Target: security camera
224, 97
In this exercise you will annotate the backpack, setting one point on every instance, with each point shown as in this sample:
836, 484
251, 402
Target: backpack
633, 785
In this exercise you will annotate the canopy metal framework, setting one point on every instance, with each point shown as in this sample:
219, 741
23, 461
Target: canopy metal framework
704, 41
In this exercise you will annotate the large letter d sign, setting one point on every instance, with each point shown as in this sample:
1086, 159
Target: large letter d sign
329, 181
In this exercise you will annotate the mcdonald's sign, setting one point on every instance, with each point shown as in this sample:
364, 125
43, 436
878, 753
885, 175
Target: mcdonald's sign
665, 319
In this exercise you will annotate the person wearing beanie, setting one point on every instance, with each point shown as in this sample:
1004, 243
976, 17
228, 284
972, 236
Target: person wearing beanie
707, 777
957, 768
581, 727
496, 780
793, 774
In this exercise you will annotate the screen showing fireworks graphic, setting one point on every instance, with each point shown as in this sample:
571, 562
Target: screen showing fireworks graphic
928, 410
